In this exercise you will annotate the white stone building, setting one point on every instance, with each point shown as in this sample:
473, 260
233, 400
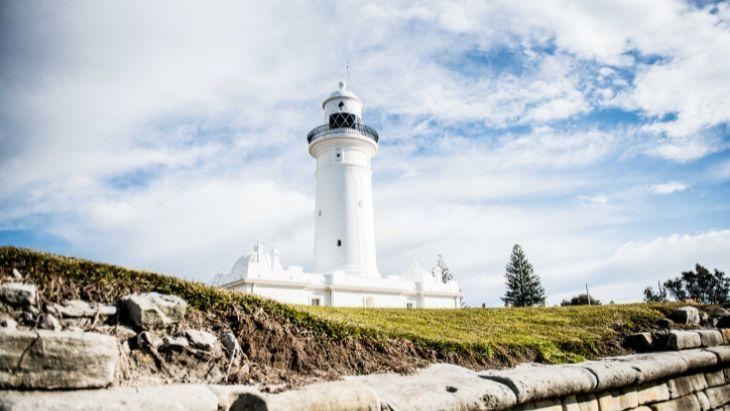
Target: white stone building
345, 271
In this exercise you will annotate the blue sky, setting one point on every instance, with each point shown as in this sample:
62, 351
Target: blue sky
171, 138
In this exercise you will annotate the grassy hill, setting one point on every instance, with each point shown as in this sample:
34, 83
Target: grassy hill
292, 341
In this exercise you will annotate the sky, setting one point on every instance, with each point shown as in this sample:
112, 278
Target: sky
171, 136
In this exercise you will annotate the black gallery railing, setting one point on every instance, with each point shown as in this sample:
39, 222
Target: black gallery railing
325, 130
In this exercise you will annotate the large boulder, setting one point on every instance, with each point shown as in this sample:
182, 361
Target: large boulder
82, 309
535, 383
686, 315
683, 340
18, 294
43, 359
150, 311
202, 340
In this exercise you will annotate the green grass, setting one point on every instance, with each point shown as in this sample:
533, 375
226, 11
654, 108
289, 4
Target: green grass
489, 336
558, 334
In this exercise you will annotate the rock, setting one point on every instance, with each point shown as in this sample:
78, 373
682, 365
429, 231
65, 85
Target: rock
611, 374
651, 393
427, 390
202, 340
688, 402
178, 397
686, 315
653, 366
683, 340
8, 322
329, 396
230, 343
665, 323
149, 339
43, 359
687, 384
715, 378
532, 383
722, 352
18, 294
718, 396
150, 311
710, 338
17, 275
49, 322
175, 342
81, 309
120, 331
639, 341
698, 358
29, 317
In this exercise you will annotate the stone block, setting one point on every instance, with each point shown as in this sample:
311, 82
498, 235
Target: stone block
715, 378
331, 396
607, 402
698, 358
18, 294
683, 340
653, 366
202, 340
544, 405
686, 384
82, 309
718, 396
56, 359
686, 403
580, 403
611, 374
703, 401
725, 335
186, 397
686, 315
153, 310
710, 338
535, 383
722, 352
653, 392
627, 398
439, 386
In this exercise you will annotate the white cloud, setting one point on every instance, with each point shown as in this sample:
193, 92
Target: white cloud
668, 187
599, 199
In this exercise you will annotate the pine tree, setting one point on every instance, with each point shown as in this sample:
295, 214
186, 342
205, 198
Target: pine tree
523, 285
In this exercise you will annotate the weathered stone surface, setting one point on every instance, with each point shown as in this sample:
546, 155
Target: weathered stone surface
230, 343
681, 386
686, 403
49, 322
683, 340
18, 294
715, 378
330, 396
722, 352
698, 358
545, 405
718, 396
581, 403
81, 309
611, 374
710, 338
175, 342
439, 386
653, 392
725, 335
56, 359
202, 340
703, 401
534, 383
686, 315
149, 339
8, 322
628, 398
640, 341
653, 366
153, 310
607, 402
165, 397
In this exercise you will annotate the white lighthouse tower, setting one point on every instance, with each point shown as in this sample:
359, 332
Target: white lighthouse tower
345, 272
344, 235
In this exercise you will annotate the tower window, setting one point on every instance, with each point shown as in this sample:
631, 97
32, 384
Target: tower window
338, 120
339, 243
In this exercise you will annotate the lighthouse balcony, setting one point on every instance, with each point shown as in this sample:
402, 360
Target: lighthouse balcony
355, 129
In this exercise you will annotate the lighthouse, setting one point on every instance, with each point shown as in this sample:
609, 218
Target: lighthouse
345, 271
344, 233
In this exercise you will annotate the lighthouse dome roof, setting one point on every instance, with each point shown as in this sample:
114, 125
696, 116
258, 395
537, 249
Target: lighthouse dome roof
341, 93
